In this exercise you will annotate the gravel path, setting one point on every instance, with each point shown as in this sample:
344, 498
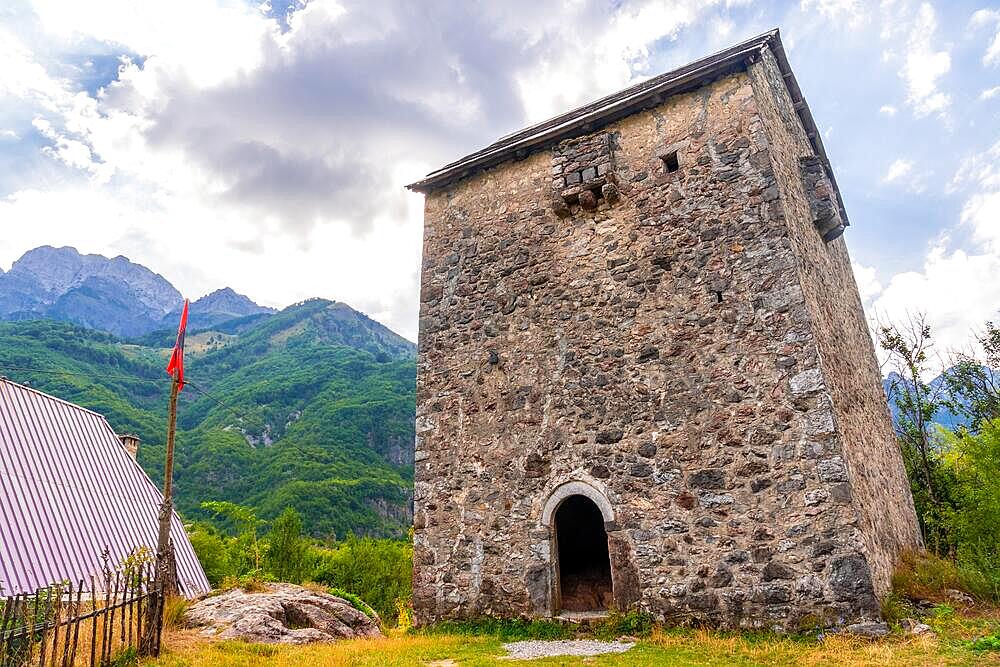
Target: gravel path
544, 649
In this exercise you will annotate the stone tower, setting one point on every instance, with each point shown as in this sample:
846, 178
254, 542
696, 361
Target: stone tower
645, 378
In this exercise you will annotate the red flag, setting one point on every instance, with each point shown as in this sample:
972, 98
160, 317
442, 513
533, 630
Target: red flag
176, 364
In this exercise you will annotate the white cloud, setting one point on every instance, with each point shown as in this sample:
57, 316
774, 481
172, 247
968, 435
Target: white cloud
888, 110
867, 279
898, 169
923, 58
279, 150
957, 286
958, 291
989, 18
9, 135
851, 12
989, 93
979, 171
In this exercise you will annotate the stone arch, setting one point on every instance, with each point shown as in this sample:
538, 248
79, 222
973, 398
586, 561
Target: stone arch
576, 488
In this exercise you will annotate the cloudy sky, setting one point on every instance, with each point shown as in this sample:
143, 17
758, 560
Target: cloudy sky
264, 146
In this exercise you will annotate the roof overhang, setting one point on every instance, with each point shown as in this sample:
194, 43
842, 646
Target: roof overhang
649, 93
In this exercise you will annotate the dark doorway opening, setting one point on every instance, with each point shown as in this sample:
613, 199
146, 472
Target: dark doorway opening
584, 566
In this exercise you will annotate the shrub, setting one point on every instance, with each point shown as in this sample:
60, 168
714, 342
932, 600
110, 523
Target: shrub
924, 576
287, 549
376, 570
896, 607
987, 643
634, 623
212, 552
355, 601
251, 582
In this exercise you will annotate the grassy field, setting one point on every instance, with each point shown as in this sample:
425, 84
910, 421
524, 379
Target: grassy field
954, 643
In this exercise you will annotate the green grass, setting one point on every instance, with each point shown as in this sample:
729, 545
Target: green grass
959, 639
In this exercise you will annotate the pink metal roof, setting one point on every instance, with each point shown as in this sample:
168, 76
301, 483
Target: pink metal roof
68, 490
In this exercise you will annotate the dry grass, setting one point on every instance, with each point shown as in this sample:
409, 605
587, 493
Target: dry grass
924, 576
950, 646
82, 636
173, 612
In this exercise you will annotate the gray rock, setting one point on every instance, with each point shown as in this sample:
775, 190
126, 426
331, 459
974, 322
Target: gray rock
807, 382
867, 629
283, 614
914, 627
959, 597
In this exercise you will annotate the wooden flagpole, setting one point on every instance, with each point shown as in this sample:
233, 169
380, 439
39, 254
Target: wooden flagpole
163, 544
165, 577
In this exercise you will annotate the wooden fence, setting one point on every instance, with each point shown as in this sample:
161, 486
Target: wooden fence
66, 625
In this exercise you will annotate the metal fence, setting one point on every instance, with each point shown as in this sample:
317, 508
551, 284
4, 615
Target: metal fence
90, 623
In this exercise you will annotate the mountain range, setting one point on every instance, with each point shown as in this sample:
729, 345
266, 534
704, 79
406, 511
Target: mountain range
113, 295
310, 407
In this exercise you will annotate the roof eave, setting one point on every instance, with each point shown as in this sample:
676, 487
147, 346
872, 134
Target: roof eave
612, 107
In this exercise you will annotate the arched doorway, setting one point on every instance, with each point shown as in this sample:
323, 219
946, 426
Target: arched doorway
583, 566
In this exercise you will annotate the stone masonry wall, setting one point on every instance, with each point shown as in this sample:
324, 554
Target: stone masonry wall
655, 349
887, 519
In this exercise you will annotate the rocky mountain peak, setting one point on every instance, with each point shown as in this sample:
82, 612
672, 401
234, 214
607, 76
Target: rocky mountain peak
227, 300
57, 271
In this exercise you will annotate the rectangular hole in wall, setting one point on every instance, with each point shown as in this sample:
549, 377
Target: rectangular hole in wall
670, 163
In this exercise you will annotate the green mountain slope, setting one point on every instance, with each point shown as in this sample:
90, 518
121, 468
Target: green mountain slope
311, 408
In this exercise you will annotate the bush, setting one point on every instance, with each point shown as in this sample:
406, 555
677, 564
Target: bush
287, 549
355, 601
251, 582
633, 623
213, 553
379, 571
924, 576
987, 643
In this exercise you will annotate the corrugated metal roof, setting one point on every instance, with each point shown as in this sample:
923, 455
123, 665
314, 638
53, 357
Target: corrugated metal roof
651, 92
68, 491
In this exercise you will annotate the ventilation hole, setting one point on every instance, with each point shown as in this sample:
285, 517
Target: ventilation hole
718, 297
670, 162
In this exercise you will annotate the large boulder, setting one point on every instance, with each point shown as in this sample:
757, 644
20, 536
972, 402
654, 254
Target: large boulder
282, 614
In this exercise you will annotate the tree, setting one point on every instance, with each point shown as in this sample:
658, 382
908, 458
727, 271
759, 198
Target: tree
287, 549
909, 348
246, 556
974, 384
212, 553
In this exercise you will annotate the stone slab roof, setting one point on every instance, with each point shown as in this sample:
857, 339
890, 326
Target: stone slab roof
646, 94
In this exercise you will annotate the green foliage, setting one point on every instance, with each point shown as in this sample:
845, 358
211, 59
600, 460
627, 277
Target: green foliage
974, 519
355, 601
504, 629
896, 607
975, 383
254, 581
213, 553
378, 571
308, 409
633, 623
287, 550
247, 553
954, 476
917, 402
987, 643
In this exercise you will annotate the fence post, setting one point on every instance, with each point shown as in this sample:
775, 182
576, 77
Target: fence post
77, 611
70, 618
31, 624
45, 629
56, 615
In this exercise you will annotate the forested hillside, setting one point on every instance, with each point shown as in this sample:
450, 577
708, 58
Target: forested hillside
310, 408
